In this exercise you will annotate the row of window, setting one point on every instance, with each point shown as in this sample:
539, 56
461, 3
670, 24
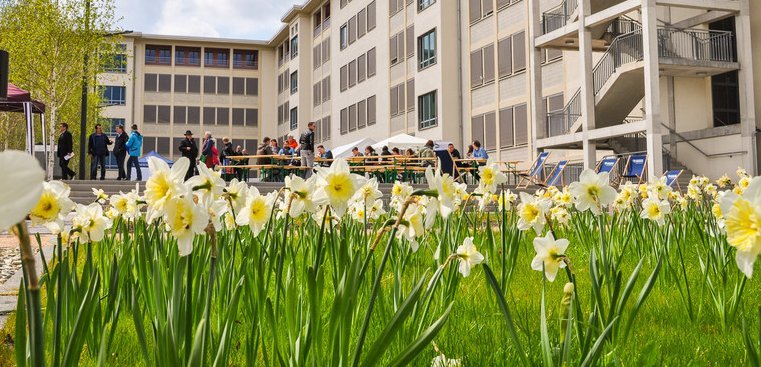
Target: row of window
480, 9
357, 71
511, 57
285, 81
321, 18
282, 113
288, 50
513, 127
357, 26
321, 53
191, 56
162, 145
117, 63
397, 100
192, 84
395, 6
321, 91
358, 116
153, 114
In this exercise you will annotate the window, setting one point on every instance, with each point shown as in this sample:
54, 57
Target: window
353, 117
113, 95
344, 120
325, 128
239, 86
726, 99
422, 4
223, 85
294, 82
149, 114
371, 62
180, 83
209, 116
223, 116
344, 76
317, 21
361, 68
480, 9
352, 29
216, 57
294, 47
194, 84
361, 23
187, 56
317, 94
371, 111
506, 138
317, 56
352, 73
294, 118
158, 55
427, 111
245, 59
180, 115
164, 113
151, 83
165, 83
194, 115
427, 49
410, 94
326, 89
252, 117
326, 50
116, 63
209, 85
410, 33
393, 49
361, 114
490, 131
488, 56
505, 57
371, 16
519, 51
344, 32
521, 124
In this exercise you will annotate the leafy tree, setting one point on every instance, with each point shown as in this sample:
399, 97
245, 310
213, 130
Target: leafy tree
48, 42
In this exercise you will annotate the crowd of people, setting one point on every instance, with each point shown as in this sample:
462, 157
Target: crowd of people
302, 153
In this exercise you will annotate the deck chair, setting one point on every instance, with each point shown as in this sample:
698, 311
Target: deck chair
556, 175
608, 165
636, 167
533, 175
672, 178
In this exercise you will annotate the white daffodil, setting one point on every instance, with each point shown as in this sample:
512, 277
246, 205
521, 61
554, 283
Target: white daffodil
532, 212
217, 209
563, 198
336, 185
90, 223
302, 192
468, 256
560, 215
237, 191
368, 193
165, 183
507, 198
399, 194
445, 187
660, 189
655, 210
491, 176
742, 219
119, 203
53, 206
319, 215
185, 220
359, 211
22, 193
207, 184
724, 181
100, 195
592, 191
256, 212
230, 221
549, 255
412, 226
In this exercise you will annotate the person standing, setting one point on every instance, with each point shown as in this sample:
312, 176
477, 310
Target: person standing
189, 150
97, 147
134, 144
120, 150
306, 147
65, 149
210, 150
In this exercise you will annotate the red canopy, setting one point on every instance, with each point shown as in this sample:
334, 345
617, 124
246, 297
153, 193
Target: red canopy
16, 99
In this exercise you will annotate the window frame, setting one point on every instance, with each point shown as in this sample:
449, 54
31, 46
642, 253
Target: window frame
428, 122
423, 61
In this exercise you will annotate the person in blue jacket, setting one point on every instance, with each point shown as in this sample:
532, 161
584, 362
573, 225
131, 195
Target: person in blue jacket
134, 144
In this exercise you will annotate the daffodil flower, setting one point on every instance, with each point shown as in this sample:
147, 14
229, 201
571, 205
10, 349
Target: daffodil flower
445, 187
100, 195
165, 183
336, 186
532, 212
207, 184
592, 191
256, 212
742, 218
469, 256
185, 220
53, 207
491, 176
236, 192
368, 193
655, 210
23, 192
549, 255
302, 195
90, 223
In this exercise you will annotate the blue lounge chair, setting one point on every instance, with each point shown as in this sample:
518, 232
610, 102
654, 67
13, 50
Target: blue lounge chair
607, 164
555, 177
636, 167
533, 175
672, 177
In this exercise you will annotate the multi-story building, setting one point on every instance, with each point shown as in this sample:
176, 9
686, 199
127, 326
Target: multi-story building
582, 78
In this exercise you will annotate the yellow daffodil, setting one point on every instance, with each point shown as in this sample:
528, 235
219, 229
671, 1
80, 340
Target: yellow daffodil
336, 185
549, 255
256, 212
185, 220
592, 191
491, 176
724, 181
532, 212
165, 183
469, 256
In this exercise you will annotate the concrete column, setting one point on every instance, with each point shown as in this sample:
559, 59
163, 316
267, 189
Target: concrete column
748, 123
587, 85
538, 121
652, 89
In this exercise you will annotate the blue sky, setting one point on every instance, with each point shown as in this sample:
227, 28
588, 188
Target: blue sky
249, 19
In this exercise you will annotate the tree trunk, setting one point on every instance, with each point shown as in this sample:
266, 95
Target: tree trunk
51, 139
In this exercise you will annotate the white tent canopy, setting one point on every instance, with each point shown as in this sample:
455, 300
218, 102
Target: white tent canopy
344, 151
401, 141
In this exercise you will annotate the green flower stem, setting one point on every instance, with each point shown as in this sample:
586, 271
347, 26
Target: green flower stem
33, 289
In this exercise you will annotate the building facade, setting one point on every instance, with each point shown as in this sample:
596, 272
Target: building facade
580, 78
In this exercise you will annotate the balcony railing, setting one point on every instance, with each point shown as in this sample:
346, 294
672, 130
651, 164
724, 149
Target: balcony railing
558, 16
696, 44
559, 122
624, 50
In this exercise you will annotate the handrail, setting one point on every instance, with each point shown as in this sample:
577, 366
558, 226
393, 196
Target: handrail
557, 17
685, 140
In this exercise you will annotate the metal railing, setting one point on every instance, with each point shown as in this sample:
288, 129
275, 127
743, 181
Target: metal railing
622, 25
559, 122
696, 44
624, 50
558, 16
